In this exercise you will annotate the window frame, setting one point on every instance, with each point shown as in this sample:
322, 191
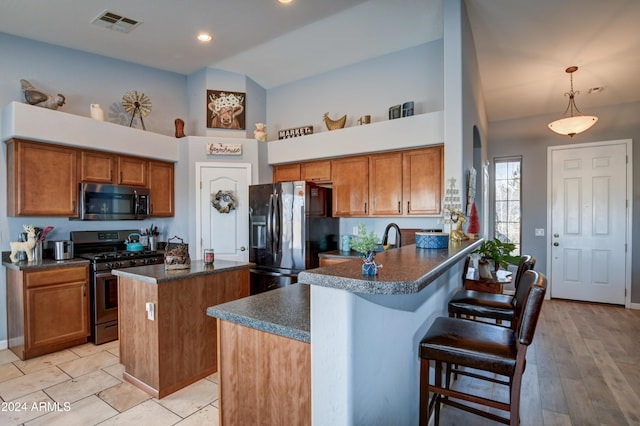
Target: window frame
496, 161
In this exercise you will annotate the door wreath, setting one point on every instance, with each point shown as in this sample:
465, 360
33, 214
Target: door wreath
224, 201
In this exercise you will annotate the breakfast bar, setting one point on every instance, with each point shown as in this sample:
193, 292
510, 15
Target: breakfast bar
364, 332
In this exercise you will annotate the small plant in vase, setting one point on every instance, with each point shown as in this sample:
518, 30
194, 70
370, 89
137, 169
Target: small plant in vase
366, 245
497, 252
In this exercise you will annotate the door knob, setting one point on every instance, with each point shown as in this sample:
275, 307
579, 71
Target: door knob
242, 248
556, 244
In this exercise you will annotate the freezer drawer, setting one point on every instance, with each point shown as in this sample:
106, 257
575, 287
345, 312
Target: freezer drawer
262, 281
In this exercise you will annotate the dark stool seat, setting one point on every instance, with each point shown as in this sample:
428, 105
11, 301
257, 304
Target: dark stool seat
473, 344
485, 305
468, 348
499, 307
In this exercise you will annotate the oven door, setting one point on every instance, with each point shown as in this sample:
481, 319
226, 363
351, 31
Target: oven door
105, 301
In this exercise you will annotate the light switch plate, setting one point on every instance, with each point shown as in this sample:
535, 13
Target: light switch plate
539, 232
151, 311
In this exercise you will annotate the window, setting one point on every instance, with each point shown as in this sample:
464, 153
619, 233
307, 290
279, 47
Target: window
508, 201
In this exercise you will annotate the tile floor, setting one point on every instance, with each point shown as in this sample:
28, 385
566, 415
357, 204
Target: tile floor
84, 386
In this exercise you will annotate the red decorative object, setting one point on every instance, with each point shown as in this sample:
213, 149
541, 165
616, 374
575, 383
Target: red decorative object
474, 221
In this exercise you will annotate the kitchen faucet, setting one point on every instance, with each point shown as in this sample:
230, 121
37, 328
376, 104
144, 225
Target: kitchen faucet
385, 238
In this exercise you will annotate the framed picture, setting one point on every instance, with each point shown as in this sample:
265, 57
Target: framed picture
225, 110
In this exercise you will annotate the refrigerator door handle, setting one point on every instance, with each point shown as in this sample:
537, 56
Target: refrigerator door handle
277, 214
270, 224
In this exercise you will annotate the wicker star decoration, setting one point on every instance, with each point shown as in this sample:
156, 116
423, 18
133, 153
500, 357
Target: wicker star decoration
135, 102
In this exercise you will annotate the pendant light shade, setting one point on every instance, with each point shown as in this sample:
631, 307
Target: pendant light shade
571, 124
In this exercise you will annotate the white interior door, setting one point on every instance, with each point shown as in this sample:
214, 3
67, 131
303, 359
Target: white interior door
589, 220
224, 229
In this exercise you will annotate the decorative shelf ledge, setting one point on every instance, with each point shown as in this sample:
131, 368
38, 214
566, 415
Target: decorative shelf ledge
407, 132
19, 120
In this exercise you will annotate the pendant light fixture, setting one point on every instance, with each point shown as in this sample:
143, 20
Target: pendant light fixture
569, 124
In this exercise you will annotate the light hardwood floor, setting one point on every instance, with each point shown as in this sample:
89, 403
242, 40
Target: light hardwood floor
582, 369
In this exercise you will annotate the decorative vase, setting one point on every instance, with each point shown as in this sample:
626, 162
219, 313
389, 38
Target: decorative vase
96, 112
369, 267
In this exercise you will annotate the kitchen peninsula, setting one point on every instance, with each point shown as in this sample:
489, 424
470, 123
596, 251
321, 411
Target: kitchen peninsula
166, 339
364, 333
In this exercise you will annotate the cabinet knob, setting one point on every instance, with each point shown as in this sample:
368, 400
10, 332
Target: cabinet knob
408, 206
556, 244
243, 248
399, 207
365, 208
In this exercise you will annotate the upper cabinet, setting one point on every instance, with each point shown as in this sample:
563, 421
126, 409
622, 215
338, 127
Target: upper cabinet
41, 179
385, 184
316, 171
97, 167
132, 171
350, 180
423, 184
161, 178
286, 172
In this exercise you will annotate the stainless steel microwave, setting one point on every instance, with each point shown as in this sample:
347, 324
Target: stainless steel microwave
113, 202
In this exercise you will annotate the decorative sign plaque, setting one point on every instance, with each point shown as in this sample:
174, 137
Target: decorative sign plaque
296, 131
224, 148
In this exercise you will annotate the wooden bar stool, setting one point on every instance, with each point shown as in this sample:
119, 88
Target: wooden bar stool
476, 347
499, 307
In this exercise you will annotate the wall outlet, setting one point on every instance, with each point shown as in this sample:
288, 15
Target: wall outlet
539, 232
151, 311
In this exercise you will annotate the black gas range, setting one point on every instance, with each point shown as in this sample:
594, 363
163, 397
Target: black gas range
107, 251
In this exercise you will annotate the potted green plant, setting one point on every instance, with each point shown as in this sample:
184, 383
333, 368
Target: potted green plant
366, 245
497, 252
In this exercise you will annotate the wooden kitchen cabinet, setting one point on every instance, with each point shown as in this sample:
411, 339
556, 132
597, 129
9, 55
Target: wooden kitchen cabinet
97, 167
161, 179
41, 179
316, 171
47, 309
286, 172
385, 184
423, 171
350, 179
132, 171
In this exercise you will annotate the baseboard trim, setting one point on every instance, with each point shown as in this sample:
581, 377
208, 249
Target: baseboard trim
4, 344
634, 306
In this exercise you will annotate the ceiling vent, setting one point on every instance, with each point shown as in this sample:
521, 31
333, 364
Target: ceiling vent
113, 21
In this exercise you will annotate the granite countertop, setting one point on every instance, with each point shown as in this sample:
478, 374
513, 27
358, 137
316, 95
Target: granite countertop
156, 274
24, 265
406, 270
284, 312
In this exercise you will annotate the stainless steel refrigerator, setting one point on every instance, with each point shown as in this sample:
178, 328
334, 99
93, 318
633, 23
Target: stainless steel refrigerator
290, 224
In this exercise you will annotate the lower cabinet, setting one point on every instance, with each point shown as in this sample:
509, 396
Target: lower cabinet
47, 309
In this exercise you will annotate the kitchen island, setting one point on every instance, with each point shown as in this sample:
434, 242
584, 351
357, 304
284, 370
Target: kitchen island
166, 339
364, 333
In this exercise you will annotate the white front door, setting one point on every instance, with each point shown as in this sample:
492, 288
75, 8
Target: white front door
589, 221
223, 227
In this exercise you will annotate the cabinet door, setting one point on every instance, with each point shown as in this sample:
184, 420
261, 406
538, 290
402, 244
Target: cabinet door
161, 188
316, 171
97, 167
286, 172
132, 171
423, 183
41, 179
56, 307
350, 178
385, 184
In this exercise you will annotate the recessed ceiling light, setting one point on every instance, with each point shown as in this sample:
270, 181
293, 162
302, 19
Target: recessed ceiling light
204, 37
285, 1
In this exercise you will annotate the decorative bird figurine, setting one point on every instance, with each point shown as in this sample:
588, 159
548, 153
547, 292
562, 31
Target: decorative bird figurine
35, 97
334, 124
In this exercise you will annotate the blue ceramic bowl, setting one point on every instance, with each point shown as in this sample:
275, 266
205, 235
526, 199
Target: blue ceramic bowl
432, 240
